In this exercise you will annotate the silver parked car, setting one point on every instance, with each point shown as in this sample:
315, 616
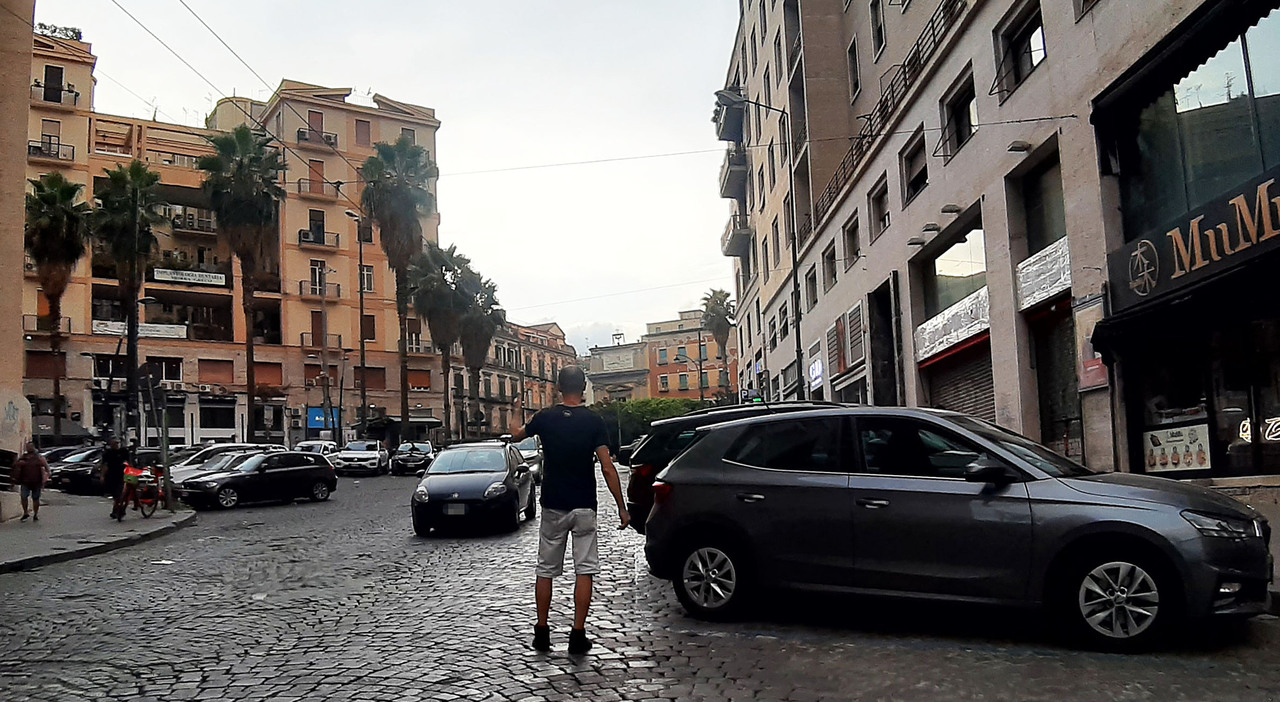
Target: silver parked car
939, 505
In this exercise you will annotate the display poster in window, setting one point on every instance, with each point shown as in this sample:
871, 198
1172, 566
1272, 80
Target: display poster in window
1090, 369
1183, 448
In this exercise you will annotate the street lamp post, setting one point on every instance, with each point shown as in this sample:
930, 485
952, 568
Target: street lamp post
733, 98
364, 397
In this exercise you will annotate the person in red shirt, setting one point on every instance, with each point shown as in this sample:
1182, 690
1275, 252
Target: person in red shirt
30, 472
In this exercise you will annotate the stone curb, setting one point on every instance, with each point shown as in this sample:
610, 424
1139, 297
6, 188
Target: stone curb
92, 550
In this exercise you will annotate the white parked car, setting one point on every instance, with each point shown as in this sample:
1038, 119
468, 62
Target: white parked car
208, 452
320, 446
364, 456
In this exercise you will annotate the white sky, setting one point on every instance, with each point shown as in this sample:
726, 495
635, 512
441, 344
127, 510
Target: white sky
515, 83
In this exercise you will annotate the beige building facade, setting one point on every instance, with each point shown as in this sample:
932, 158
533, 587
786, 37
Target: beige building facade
685, 361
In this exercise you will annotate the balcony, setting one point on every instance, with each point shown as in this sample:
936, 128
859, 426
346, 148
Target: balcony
191, 223
799, 139
797, 51
171, 158
315, 137
308, 340
736, 240
55, 95
319, 291
733, 174
51, 150
318, 239
729, 122
42, 325
316, 189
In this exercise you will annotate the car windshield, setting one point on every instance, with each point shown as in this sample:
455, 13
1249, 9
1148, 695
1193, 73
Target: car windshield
247, 464
311, 448
217, 462
362, 446
528, 444
1024, 448
489, 460
425, 448
81, 457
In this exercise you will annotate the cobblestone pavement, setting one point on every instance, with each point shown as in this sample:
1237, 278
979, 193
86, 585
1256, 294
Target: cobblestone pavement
340, 600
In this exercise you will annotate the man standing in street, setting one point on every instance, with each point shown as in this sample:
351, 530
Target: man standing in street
30, 472
572, 438
114, 459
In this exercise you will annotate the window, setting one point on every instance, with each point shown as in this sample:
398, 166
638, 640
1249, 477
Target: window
53, 77
315, 222
855, 80
768, 88
789, 222
368, 327
218, 417
662, 357
955, 273
784, 323
702, 351
1024, 50
877, 26
753, 51
318, 268
366, 278
895, 446
764, 19
364, 232
850, 235
773, 333
684, 381
811, 288
50, 131
167, 368
829, 266
364, 133
680, 353
774, 237
705, 380
777, 53
960, 115
915, 168
1044, 206
664, 385
764, 258
407, 133
760, 185
810, 445
724, 377
878, 205
773, 168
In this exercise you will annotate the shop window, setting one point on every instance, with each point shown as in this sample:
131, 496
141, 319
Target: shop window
956, 272
914, 167
213, 417
1044, 205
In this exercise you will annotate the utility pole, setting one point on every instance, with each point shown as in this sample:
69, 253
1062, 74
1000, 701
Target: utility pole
363, 415
324, 348
131, 322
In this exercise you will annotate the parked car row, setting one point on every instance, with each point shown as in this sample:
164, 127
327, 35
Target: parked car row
936, 505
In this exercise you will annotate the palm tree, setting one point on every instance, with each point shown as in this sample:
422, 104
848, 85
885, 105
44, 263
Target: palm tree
243, 183
127, 209
396, 197
56, 231
479, 323
439, 296
719, 316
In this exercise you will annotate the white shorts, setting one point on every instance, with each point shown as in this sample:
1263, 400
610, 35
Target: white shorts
554, 533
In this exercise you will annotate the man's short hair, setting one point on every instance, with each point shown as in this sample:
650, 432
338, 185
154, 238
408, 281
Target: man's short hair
572, 381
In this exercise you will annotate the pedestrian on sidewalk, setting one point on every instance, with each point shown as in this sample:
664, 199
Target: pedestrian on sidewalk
30, 473
572, 438
114, 460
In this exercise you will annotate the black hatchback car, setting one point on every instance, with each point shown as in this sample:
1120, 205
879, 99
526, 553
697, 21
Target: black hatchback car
668, 437
484, 481
282, 476
939, 505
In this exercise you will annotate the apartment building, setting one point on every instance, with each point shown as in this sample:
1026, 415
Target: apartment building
1027, 195
619, 372
520, 378
685, 360
325, 325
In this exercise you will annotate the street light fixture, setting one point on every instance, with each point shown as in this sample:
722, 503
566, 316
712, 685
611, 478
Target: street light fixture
734, 98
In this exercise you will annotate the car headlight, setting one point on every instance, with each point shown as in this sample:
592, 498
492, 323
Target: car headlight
495, 490
1228, 527
420, 494
209, 484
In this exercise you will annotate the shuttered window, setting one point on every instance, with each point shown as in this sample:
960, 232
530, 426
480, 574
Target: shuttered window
853, 328
377, 378
45, 364
419, 379
213, 371
268, 373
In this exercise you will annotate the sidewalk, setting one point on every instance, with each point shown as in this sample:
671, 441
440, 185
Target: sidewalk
72, 526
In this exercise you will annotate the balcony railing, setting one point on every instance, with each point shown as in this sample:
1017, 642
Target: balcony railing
317, 188
315, 136
309, 340
736, 240
43, 324
55, 94
891, 97
315, 237
733, 173
171, 158
797, 49
51, 149
310, 288
194, 224
799, 138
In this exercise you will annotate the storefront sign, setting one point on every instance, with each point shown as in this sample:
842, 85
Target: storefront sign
1090, 370
166, 275
967, 318
315, 417
815, 374
1183, 448
154, 331
1206, 242
1045, 274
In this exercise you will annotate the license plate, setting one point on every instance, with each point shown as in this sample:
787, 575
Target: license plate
455, 510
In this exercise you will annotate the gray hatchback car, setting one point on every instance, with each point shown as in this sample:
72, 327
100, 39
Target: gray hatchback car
939, 505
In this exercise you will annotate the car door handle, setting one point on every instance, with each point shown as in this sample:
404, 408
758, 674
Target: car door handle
750, 497
872, 504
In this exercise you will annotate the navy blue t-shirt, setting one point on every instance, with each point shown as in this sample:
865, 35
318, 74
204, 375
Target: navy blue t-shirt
570, 437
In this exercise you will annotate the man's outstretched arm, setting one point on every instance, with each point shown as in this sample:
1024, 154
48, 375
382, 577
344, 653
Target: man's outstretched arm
611, 479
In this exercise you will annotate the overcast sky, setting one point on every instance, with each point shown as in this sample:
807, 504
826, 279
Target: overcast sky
598, 248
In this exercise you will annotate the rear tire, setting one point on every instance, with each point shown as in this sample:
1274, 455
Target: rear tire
319, 491
228, 498
712, 581
1120, 600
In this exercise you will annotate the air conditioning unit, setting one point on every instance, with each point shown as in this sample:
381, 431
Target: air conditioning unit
30, 265
307, 236
331, 139
296, 423
206, 388
295, 411
311, 382
171, 384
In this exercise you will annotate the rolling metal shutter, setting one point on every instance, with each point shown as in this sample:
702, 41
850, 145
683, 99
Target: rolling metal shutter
964, 383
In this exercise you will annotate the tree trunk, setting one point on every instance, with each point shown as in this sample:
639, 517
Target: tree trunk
473, 411
131, 353
445, 372
247, 288
724, 377
55, 344
402, 312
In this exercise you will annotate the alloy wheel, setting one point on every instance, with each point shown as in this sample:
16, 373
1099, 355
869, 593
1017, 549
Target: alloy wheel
228, 498
1119, 600
710, 577
319, 491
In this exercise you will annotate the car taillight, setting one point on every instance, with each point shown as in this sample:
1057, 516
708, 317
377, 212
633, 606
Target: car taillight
661, 492
644, 471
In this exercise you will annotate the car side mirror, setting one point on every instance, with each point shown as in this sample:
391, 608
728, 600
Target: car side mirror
420, 473
523, 468
987, 470
505, 438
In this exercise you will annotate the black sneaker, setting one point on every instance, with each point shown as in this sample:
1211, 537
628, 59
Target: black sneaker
24, 518
578, 641
542, 638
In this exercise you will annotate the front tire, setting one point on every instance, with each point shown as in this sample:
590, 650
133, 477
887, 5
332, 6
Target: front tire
228, 498
1119, 601
421, 526
712, 582
319, 491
